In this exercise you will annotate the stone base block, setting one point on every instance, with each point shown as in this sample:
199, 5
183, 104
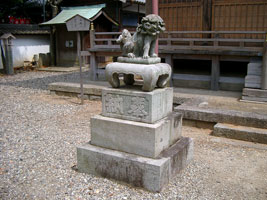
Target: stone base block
131, 104
143, 139
151, 174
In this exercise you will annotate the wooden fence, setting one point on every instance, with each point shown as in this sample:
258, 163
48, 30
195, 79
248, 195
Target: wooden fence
210, 42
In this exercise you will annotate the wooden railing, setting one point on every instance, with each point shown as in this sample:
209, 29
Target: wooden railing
192, 41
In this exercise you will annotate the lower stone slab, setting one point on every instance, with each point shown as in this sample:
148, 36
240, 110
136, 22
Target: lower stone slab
143, 139
151, 174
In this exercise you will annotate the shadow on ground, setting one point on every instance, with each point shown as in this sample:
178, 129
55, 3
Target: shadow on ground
47, 78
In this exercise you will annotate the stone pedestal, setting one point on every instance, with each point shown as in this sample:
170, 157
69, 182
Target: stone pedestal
137, 139
135, 105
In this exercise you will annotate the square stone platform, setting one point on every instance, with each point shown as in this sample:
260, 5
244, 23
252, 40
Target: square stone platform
139, 171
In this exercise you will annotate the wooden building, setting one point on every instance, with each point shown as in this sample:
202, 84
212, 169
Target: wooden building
105, 16
219, 44
211, 44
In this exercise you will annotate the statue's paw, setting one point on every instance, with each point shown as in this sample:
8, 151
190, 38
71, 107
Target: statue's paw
131, 55
145, 56
154, 55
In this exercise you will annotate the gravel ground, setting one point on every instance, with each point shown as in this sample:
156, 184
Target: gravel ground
39, 134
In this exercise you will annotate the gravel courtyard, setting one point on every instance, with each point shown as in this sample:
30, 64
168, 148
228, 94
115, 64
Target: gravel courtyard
39, 133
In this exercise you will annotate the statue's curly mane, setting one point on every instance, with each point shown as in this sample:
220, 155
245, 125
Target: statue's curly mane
151, 24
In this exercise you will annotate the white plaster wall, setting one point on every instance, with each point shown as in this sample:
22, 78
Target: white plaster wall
26, 46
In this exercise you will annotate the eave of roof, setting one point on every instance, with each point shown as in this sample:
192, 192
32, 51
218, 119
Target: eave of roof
23, 29
88, 12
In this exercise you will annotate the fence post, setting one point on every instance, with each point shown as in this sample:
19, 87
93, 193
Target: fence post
264, 65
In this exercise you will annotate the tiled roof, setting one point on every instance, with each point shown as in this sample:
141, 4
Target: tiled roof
87, 12
23, 29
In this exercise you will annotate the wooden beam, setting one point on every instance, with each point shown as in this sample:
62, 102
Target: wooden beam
215, 73
264, 67
80, 63
93, 66
148, 7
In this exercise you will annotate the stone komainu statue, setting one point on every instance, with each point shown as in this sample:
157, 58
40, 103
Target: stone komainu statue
143, 42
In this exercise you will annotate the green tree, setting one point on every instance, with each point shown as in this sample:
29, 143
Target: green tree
32, 9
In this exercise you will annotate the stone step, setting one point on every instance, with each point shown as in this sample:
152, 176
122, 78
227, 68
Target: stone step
73, 89
253, 81
255, 69
258, 95
242, 118
245, 133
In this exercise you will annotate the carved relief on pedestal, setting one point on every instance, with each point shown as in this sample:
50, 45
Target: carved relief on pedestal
137, 107
114, 104
134, 107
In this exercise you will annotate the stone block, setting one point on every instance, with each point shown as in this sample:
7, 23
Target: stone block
131, 104
151, 174
180, 154
193, 112
143, 139
245, 133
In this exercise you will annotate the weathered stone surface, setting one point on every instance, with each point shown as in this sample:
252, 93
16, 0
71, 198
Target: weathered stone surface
254, 92
131, 104
255, 99
180, 154
241, 133
139, 60
176, 120
151, 174
223, 116
153, 75
143, 139
258, 95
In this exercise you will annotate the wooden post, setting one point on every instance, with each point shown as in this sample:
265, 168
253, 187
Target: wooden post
148, 7
215, 73
264, 66
155, 10
80, 63
93, 63
206, 22
93, 66
52, 45
92, 35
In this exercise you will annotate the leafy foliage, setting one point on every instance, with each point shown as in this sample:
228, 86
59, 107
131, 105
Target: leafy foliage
31, 9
